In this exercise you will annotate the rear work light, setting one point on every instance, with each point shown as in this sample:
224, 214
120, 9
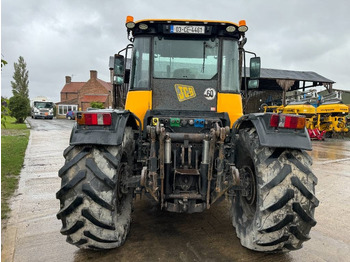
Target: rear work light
287, 121
94, 119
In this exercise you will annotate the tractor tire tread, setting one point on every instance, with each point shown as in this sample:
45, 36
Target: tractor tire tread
94, 213
285, 203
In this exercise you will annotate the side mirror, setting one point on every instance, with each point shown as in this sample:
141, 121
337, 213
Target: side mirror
118, 69
255, 65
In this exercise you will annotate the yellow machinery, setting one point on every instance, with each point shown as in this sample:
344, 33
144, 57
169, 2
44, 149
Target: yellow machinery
182, 139
274, 109
331, 117
305, 109
328, 117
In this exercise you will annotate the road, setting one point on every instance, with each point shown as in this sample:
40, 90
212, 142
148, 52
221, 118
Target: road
32, 233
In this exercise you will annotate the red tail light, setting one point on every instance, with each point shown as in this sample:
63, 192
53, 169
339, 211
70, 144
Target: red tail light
95, 119
287, 121
274, 120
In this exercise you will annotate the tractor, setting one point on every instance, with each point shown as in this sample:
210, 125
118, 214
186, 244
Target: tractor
182, 139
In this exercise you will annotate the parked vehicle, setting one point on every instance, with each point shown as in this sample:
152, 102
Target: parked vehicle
183, 140
42, 108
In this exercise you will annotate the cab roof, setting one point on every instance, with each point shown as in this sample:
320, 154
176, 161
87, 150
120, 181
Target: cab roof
186, 27
186, 21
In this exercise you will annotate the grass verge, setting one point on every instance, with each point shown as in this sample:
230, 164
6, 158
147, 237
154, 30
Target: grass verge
14, 141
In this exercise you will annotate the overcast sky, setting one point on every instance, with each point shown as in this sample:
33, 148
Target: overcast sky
72, 37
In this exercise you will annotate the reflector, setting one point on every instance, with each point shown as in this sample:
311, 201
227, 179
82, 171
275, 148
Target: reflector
107, 119
287, 121
274, 120
95, 119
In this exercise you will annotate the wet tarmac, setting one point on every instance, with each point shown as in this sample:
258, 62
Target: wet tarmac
32, 232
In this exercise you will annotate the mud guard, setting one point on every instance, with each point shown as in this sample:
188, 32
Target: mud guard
100, 135
273, 137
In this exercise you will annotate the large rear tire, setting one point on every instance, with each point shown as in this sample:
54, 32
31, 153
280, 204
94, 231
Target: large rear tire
278, 212
95, 207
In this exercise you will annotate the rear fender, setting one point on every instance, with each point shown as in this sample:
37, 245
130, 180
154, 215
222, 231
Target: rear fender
273, 137
103, 135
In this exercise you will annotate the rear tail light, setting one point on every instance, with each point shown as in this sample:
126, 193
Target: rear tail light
287, 121
94, 119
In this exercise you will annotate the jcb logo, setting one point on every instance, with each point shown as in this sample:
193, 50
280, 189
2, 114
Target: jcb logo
184, 92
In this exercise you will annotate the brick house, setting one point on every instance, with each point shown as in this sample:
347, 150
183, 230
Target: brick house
69, 97
95, 90
79, 95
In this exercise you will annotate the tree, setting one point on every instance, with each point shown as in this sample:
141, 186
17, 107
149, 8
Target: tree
20, 76
97, 105
3, 63
19, 103
19, 106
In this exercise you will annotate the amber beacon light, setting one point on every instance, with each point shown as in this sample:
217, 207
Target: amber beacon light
130, 24
242, 26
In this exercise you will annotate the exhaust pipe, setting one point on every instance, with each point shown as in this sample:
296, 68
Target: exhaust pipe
167, 165
204, 167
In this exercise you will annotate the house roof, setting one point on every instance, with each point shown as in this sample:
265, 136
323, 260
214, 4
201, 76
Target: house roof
72, 87
69, 102
307, 76
94, 98
107, 85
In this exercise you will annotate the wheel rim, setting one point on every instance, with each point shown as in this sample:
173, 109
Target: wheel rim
249, 198
120, 190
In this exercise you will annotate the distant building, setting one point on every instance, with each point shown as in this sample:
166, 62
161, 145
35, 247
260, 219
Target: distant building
79, 95
69, 97
275, 83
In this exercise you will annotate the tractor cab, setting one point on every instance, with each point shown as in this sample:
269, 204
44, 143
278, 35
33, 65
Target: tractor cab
185, 65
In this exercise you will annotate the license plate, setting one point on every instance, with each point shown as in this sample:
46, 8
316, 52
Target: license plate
187, 29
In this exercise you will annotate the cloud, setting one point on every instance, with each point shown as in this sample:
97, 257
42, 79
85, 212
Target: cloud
59, 38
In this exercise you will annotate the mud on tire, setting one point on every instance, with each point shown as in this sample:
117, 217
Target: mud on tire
278, 212
95, 209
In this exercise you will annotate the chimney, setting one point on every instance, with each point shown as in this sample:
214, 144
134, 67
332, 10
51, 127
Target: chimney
93, 74
68, 79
